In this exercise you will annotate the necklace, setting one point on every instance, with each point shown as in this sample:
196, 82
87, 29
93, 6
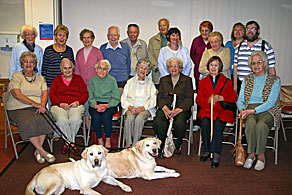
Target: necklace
29, 80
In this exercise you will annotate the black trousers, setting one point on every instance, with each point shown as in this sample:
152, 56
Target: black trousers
218, 126
161, 123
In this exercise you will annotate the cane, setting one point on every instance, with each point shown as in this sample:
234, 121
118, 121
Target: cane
212, 107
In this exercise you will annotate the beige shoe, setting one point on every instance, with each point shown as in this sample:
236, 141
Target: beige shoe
50, 158
39, 158
260, 165
248, 163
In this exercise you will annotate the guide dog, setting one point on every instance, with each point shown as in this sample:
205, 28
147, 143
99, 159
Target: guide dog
80, 175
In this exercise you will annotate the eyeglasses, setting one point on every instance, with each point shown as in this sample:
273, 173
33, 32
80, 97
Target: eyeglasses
257, 63
251, 29
27, 61
29, 35
175, 66
103, 69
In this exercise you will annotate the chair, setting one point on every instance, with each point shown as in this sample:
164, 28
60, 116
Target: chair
8, 123
234, 134
286, 107
86, 131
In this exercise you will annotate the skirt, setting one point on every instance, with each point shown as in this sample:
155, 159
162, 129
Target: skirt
29, 123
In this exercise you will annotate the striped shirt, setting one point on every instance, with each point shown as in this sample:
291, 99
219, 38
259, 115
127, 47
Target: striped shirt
241, 57
52, 60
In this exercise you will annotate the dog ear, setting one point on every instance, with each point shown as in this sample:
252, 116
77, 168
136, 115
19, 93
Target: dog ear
158, 142
84, 153
105, 151
139, 145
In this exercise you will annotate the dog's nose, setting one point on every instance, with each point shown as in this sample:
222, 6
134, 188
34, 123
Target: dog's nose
154, 150
96, 161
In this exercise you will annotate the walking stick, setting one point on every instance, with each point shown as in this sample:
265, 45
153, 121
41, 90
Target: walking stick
212, 107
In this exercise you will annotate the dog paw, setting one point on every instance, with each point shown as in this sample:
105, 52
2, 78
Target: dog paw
175, 174
126, 188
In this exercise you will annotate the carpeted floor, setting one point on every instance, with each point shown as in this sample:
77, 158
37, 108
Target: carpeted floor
196, 177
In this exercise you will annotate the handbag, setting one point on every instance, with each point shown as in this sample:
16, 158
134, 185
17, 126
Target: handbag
238, 152
227, 105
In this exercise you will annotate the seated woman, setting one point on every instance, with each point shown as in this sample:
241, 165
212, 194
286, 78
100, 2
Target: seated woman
104, 97
218, 85
28, 98
181, 85
259, 105
138, 101
68, 93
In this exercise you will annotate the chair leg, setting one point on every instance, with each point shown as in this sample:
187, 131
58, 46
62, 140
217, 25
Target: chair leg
121, 131
6, 133
51, 144
200, 144
276, 145
283, 129
84, 131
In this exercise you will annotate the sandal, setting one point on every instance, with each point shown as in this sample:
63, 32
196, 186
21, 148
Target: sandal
50, 158
39, 158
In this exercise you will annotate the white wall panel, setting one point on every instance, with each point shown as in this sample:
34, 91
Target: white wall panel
274, 17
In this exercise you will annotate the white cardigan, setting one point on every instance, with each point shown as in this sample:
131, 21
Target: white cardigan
129, 95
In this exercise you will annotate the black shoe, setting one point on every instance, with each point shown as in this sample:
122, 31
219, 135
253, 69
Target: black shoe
214, 164
160, 154
177, 152
204, 158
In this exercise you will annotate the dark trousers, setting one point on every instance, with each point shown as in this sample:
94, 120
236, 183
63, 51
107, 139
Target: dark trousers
102, 117
218, 126
161, 123
121, 84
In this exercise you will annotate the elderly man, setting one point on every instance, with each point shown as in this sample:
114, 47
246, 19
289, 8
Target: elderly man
155, 44
118, 54
252, 43
138, 47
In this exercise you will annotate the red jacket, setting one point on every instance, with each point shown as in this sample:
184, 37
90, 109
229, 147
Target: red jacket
206, 90
61, 93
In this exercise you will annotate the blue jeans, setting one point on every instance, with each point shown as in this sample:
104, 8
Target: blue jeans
102, 117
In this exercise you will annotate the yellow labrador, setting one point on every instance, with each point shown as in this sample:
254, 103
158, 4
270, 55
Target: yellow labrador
80, 175
138, 161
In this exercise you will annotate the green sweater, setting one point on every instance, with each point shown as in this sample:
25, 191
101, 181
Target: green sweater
103, 90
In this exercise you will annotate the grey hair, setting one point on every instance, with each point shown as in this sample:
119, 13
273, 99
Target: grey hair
28, 53
27, 27
64, 60
109, 66
113, 27
144, 61
180, 62
262, 55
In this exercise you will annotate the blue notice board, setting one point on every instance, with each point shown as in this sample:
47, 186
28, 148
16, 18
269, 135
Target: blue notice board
46, 31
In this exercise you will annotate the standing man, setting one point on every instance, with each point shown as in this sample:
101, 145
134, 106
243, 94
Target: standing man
155, 44
118, 54
252, 43
138, 47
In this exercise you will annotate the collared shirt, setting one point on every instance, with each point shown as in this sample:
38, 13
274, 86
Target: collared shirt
163, 40
241, 57
109, 46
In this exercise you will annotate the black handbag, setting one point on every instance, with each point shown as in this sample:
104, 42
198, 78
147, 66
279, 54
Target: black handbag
227, 105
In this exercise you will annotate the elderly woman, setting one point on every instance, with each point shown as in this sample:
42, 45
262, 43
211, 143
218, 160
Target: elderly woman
259, 105
216, 39
28, 34
86, 58
104, 97
68, 93
215, 85
138, 101
181, 85
174, 50
199, 45
28, 98
54, 54
237, 36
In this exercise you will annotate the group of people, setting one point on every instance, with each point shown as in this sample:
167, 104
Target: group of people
142, 80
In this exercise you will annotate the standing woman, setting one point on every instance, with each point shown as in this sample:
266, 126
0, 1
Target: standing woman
104, 96
174, 50
259, 106
86, 58
216, 39
237, 36
54, 54
28, 33
199, 45
68, 93
138, 102
27, 99
218, 85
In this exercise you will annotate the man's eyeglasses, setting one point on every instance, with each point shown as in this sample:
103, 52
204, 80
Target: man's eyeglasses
251, 29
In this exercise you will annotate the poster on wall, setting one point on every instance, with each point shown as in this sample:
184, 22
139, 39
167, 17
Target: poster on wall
46, 31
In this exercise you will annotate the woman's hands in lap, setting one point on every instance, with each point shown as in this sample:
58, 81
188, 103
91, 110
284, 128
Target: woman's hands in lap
101, 107
245, 113
171, 113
